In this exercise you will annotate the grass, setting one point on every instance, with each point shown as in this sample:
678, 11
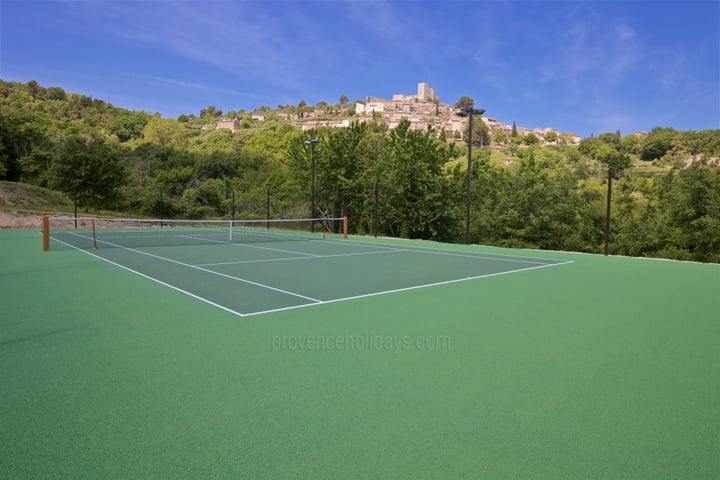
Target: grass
31, 198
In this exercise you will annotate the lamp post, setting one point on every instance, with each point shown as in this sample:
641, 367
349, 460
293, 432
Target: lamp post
469, 112
312, 143
611, 174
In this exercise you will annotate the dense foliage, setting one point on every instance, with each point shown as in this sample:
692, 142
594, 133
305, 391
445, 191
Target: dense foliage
399, 182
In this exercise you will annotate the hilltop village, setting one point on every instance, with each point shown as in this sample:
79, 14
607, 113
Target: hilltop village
423, 110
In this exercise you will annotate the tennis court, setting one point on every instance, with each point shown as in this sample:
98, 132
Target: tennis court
269, 270
326, 357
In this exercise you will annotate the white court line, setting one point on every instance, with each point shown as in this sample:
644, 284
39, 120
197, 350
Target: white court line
405, 289
243, 280
488, 256
314, 257
153, 279
437, 251
248, 245
86, 237
315, 302
479, 257
240, 244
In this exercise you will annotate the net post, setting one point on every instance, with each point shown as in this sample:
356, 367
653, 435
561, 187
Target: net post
345, 227
45, 233
94, 236
231, 223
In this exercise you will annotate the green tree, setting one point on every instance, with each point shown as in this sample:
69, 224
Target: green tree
631, 144
464, 103
89, 170
657, 143
551, 136
126, 125
302, 108
55, 93
10, 139
164, 132
34, 89
531, 139
499, 137
613, 158
614, 140
480, 133
211, 112
692, 203
418, 203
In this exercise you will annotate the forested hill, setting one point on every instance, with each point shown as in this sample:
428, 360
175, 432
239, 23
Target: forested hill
665, 199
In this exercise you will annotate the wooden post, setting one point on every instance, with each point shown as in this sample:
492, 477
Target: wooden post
45, 233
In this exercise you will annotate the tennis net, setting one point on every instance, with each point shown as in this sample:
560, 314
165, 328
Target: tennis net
96, 232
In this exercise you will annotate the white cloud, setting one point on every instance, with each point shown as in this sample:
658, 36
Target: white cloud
237, 37
204, 87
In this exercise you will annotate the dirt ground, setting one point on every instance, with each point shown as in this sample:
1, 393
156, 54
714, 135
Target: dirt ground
13, 219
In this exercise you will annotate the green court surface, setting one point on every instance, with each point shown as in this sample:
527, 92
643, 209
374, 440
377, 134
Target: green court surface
359, 358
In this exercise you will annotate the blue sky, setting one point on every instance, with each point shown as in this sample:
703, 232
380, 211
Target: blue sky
584, 67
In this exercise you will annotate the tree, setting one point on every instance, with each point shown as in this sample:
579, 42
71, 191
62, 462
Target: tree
323, 105
418, 203
127, 125
210, 112
531, 139
164, 132
480, 133
10, 139
55, 93
499, 136
514, 132
465, 103
612, 139
631, 144
607, 150
607, 155
551, 136
34, 89
657, 143
89, 170
303, 108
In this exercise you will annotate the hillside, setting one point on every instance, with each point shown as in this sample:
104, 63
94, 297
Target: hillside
391, 180
21, 204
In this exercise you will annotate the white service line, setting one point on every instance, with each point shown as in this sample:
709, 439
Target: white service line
314, 257
489, 256
240, 244
479, 257
405, 289
153, 279
314, 301
243, 280
249, 245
